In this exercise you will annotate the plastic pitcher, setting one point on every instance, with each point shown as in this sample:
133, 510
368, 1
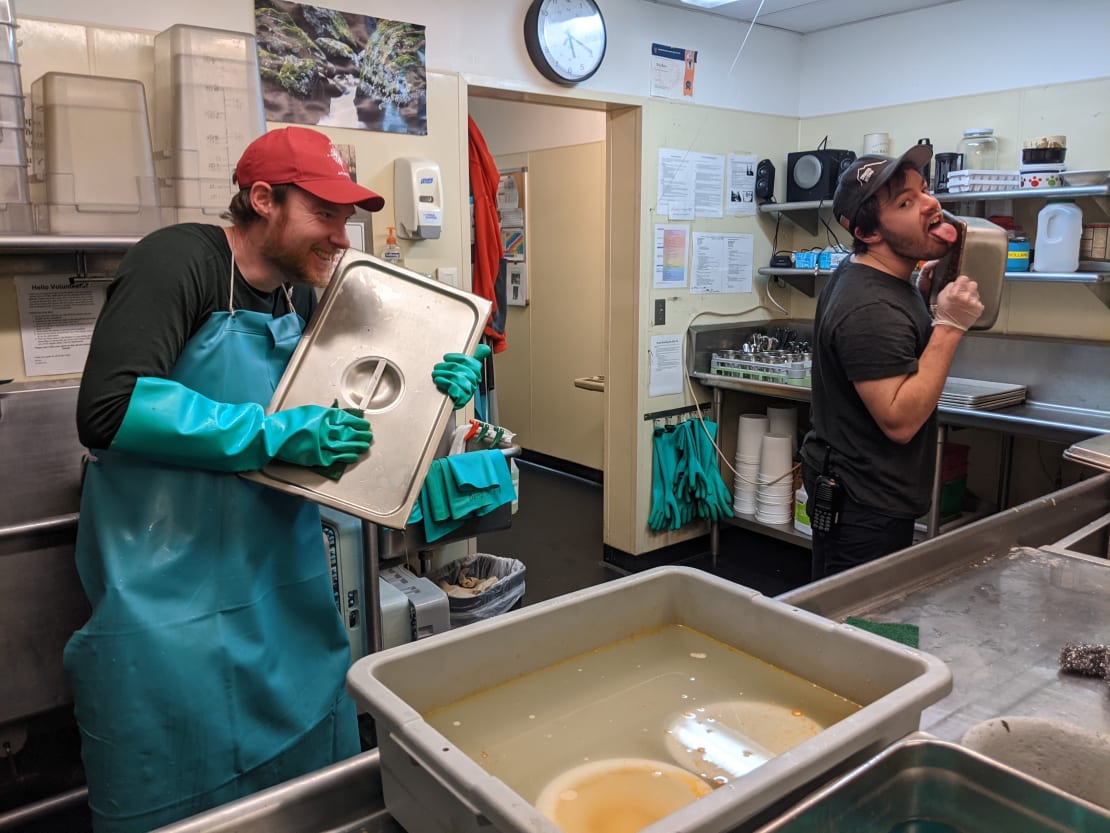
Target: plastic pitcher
1059, 227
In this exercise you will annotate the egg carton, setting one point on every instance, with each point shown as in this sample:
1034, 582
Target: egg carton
960, 182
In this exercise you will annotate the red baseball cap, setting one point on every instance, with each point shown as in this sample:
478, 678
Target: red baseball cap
307, 159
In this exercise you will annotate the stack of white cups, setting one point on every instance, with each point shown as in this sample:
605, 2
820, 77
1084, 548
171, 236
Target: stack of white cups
749, 445
774, 499
783, 419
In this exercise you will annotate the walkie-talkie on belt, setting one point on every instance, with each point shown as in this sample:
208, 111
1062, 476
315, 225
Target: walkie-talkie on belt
826, 504
826, 499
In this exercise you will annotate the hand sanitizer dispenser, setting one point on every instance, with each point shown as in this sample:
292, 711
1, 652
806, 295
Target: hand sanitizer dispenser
418, 198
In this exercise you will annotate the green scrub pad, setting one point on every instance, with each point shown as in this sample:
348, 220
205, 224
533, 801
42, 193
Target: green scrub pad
906, 634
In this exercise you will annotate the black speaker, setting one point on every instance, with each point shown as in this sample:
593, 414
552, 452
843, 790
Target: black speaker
764, 180
813, 174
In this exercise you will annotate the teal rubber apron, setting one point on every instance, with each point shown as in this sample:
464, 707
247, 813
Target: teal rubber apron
213, 664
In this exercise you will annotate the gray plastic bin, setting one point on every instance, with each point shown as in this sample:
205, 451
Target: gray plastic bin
494, 600
432, 785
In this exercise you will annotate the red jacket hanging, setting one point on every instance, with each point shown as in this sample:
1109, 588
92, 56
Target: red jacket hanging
488, 252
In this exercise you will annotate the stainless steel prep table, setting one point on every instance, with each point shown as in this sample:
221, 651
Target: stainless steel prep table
992, 612
997, 600
1056, 372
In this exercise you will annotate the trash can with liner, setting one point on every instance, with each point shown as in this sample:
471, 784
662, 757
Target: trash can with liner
480, 586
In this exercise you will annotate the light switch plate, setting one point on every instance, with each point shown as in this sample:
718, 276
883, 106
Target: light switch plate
660, 311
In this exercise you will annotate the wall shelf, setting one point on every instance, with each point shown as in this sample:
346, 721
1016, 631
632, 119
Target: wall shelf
806, 215
805, 280
85, 257
1096, 276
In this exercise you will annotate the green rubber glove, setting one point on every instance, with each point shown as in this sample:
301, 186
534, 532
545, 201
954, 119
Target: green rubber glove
311, 435
459, 375
168, 423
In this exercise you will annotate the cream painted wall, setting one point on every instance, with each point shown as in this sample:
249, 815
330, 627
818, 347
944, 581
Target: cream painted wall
483, 41
559, 336
518, 126
697, 129
957, 49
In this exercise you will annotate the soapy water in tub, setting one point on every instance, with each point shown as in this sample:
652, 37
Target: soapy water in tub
669, 695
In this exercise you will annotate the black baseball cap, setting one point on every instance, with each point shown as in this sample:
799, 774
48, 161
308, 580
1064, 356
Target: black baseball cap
867, 175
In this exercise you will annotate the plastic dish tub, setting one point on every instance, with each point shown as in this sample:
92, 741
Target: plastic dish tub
925, 784
432, 785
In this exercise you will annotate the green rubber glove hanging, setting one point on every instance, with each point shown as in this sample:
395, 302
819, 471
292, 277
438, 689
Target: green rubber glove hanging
169, 423
459, 375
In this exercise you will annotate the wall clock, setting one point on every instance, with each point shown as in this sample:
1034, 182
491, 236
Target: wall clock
565, 39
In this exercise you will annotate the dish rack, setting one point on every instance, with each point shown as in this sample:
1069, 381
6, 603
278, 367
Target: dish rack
777, 366
960, 182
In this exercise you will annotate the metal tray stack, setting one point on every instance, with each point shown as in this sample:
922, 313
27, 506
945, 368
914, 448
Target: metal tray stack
980, 396
1094, 452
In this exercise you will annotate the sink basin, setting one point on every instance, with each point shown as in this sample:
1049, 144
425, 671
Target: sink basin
1071, 758
922, 783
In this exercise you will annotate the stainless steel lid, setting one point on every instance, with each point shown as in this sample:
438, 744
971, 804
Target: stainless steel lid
371, 345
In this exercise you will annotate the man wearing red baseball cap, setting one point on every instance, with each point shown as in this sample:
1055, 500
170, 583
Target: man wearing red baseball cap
214, 661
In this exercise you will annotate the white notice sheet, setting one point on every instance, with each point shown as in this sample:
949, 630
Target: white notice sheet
722, 263
709, 184
56, 323
676, 184
666, 365
741, 183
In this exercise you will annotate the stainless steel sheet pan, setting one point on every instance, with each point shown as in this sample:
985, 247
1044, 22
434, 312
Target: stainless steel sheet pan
371, 346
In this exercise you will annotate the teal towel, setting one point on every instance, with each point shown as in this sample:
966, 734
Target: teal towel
482, 482
899, 632
461, 486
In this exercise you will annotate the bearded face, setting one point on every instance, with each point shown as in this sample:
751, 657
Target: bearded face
305, 238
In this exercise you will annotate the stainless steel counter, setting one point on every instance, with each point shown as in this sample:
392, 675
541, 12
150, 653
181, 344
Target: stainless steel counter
342, 798
1039, 420
997, 600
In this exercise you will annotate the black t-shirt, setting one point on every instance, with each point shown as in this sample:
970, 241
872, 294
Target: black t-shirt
167, 286
869, 325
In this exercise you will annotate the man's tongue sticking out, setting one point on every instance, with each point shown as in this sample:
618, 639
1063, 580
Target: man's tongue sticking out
945, 232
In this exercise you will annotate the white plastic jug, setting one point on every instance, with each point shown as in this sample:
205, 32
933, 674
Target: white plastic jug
1059, 227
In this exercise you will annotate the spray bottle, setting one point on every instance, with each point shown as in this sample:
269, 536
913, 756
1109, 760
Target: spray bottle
392, 252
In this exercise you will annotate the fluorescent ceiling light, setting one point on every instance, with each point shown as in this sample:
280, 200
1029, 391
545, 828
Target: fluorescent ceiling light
708, 4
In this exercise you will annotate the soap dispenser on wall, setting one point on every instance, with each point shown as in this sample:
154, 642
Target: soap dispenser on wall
418, 198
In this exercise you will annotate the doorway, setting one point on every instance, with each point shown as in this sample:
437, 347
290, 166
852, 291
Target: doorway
559, 151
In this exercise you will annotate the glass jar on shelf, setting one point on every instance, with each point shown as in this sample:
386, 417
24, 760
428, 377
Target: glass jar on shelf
980, 149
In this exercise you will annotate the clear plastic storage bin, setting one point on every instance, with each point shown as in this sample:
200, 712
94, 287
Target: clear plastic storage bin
207, 109
93, 167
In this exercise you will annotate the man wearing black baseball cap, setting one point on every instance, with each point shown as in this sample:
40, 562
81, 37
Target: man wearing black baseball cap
879, 364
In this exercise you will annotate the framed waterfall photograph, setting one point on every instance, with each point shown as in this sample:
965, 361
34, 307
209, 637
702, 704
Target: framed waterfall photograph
320, 66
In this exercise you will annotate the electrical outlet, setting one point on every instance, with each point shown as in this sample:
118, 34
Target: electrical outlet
660, 311
448, 275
